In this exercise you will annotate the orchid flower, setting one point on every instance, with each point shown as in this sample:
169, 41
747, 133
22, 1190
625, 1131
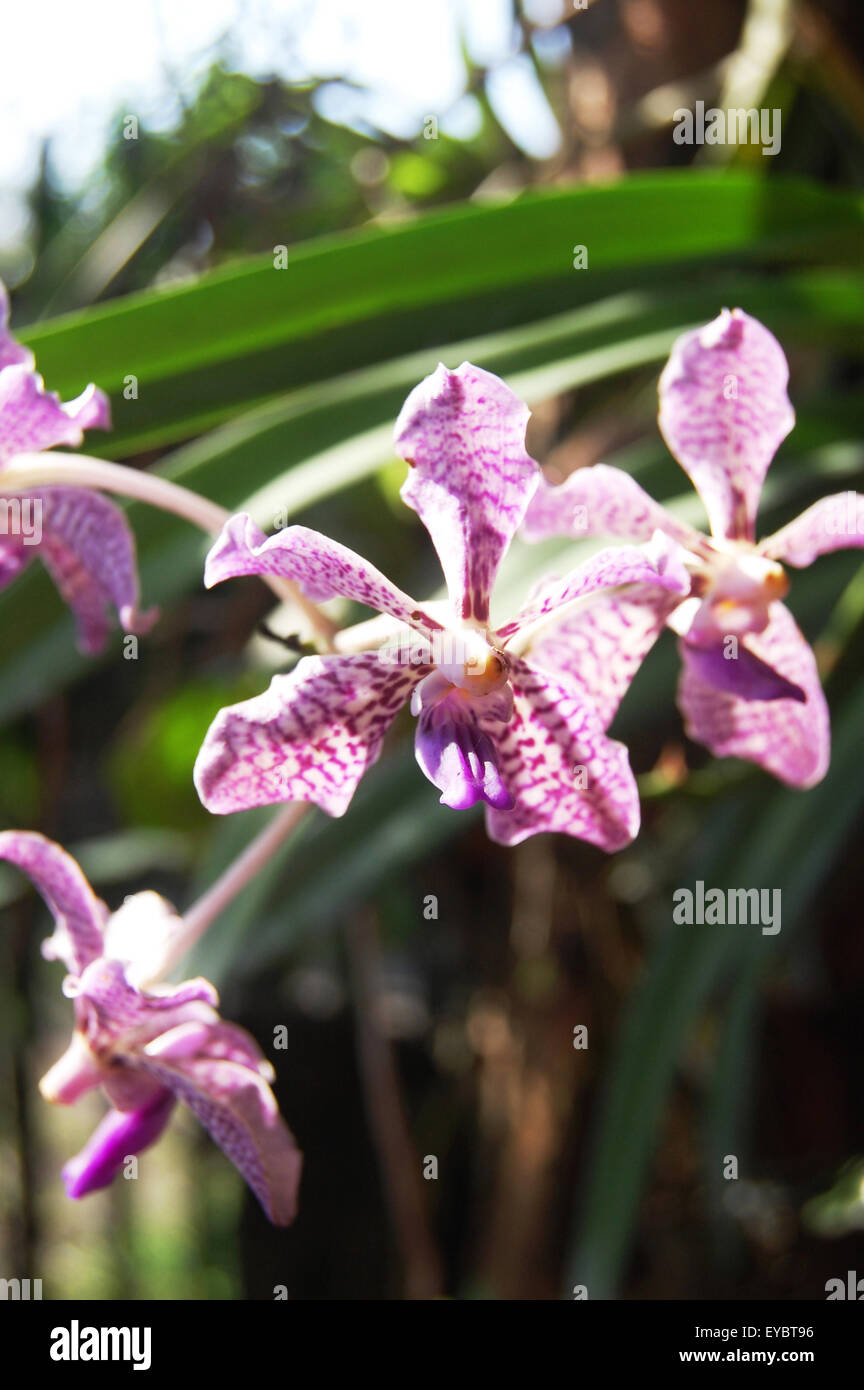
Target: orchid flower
149, 1044
83, 540
492, 724
749, 687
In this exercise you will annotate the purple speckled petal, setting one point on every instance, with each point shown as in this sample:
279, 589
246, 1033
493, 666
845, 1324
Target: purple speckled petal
216, 1039
11, 352
118, 1137
113, 1018
110, 1009
79, 916
91, 410
659, 565
834, 523
601, 501
457, 755
599, 646
309, 737
789, 739
86, 545
238, 1109
463, 433
321, 567
32, 419
167, 1029
724, 412
562, 771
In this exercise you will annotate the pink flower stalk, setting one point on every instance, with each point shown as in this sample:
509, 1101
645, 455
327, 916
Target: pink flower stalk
493, 723
749, 686
82, 539
149, 1044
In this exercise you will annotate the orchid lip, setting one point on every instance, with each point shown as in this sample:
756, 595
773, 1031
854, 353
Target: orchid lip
453, 751
747, 676
121, 1135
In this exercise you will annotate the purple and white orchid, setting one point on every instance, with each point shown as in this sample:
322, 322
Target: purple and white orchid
149, 1044
83, 540
494, 724
749, 687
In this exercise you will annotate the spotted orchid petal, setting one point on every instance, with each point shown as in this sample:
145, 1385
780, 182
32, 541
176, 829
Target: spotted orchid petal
321, 567
600, 501
787, 737
33, 419
470, 479
724, 412
83, 539
213, 1038
309, 737
833, 523
238, 1109
79, 916
109, 1007
119, 1137
599, 646
86, 545
660, 565
560, 768
11, 352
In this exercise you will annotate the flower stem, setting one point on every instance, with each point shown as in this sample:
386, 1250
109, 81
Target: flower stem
217, 897
79, 470
399, 1162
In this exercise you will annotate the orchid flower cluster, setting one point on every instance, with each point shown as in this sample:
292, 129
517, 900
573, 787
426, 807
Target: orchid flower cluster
511, 714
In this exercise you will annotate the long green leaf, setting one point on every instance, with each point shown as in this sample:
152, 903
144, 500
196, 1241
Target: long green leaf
250, 331
293, 453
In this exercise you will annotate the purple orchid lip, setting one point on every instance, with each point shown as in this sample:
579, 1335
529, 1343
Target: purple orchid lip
458, 757
745, 675
120, 1136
